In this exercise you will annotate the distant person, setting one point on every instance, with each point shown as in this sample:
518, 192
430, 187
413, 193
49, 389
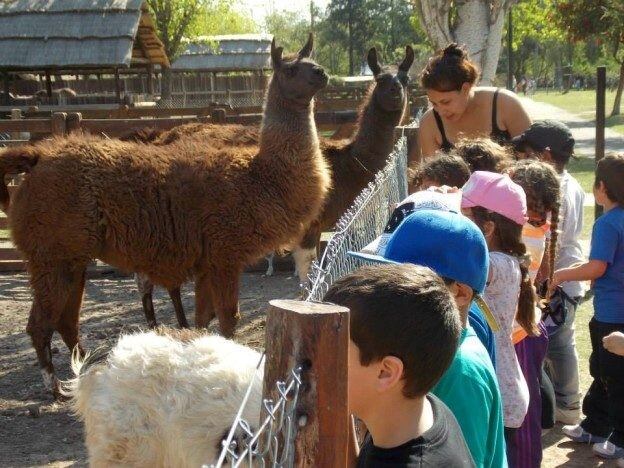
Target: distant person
405, 329
552, 142
460, 109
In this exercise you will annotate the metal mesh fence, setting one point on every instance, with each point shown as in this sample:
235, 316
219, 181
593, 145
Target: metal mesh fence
273, 443
361, 223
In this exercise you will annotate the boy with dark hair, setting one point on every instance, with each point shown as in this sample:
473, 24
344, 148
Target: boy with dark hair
552, 142
603, 405
445, 169
454, 247
404, 331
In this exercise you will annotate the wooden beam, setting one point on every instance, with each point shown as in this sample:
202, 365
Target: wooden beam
316, 337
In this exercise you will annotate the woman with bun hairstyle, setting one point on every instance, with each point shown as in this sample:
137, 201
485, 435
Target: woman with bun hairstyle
460, 109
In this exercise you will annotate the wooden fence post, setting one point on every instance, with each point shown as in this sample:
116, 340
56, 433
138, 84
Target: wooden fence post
601, 89
16, 114
73, 123
316, 336
218, 115
59, 124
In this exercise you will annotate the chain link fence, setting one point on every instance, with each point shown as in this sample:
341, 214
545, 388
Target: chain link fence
273, 443
360, 224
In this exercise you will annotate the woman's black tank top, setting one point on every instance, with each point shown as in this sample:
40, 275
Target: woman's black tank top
497, 135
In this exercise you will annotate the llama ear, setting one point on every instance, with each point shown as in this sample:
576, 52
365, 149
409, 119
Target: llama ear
408, 60
373, 63
306, 51
276, 55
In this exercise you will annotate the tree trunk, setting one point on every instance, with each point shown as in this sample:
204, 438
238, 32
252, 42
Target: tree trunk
165, 83
618, 94
479, 26
350, 32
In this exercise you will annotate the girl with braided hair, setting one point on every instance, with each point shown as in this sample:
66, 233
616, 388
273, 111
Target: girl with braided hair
540, 183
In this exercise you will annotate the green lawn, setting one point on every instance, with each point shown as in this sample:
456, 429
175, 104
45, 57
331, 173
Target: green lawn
583, 104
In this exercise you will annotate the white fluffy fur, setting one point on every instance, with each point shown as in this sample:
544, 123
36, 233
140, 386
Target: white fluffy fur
159, 402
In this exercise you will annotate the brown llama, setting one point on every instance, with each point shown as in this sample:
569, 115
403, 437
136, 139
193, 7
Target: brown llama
173, 213
353, 162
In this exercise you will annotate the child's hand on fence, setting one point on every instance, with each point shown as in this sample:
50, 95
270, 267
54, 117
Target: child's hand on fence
614, 343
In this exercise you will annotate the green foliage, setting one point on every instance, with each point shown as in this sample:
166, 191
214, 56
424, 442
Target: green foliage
177, 20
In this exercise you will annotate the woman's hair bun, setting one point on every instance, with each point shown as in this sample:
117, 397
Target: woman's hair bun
455, 50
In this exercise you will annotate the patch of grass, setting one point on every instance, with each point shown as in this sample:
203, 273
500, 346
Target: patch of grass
584, 313
583, 104
583, 170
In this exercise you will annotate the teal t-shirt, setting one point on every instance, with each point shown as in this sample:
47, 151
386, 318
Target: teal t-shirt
470, 389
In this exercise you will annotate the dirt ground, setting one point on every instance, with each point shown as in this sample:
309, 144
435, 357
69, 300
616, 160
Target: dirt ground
36, 431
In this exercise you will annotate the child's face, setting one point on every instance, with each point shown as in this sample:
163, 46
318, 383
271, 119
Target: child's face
367, 384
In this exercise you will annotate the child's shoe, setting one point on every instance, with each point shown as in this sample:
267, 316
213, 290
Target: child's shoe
608, 450
578, 434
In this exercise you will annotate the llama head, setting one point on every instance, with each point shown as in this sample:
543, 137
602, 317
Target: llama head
390, 89
298, 78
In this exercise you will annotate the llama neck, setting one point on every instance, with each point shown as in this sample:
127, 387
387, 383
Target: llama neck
374, 138
288, 122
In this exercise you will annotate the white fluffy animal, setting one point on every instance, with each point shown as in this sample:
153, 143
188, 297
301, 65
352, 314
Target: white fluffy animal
164, 398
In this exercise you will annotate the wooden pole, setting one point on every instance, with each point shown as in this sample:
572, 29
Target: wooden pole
7, 89
117, 85
16, 114
317, 336
218, 115
48, 83
601, 89
59, 123
73, 122
150, 79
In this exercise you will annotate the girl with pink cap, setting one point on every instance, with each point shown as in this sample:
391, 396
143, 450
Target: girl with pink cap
498, 206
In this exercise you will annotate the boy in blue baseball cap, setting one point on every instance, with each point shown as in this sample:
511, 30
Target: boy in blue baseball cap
454, 247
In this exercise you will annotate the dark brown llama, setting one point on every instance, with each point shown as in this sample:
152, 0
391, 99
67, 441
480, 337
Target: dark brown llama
353, 162
173, 213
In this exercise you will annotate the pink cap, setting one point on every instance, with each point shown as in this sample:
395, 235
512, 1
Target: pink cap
497, 193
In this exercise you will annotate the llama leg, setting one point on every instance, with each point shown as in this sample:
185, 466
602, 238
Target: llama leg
225, 297
305, 253
68, 324
146, 288
40, 330
176, 298
270, 259
204, 307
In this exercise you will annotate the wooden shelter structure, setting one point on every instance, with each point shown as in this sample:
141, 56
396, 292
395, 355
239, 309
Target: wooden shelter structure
77, 36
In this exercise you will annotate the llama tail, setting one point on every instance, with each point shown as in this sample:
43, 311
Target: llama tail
15, 161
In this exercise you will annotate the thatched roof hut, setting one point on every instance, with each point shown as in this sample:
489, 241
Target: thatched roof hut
70, 35
64, 37
228, 53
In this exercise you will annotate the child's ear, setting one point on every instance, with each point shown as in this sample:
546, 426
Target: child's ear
463, 294
390, 373
488, 229
546, 156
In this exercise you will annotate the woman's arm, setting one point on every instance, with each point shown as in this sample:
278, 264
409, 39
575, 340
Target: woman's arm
427, 135
514, 117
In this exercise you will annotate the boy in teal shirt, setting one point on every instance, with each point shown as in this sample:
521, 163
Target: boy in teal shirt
454, 247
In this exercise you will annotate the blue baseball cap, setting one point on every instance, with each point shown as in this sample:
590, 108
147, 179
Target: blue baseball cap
448, 243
